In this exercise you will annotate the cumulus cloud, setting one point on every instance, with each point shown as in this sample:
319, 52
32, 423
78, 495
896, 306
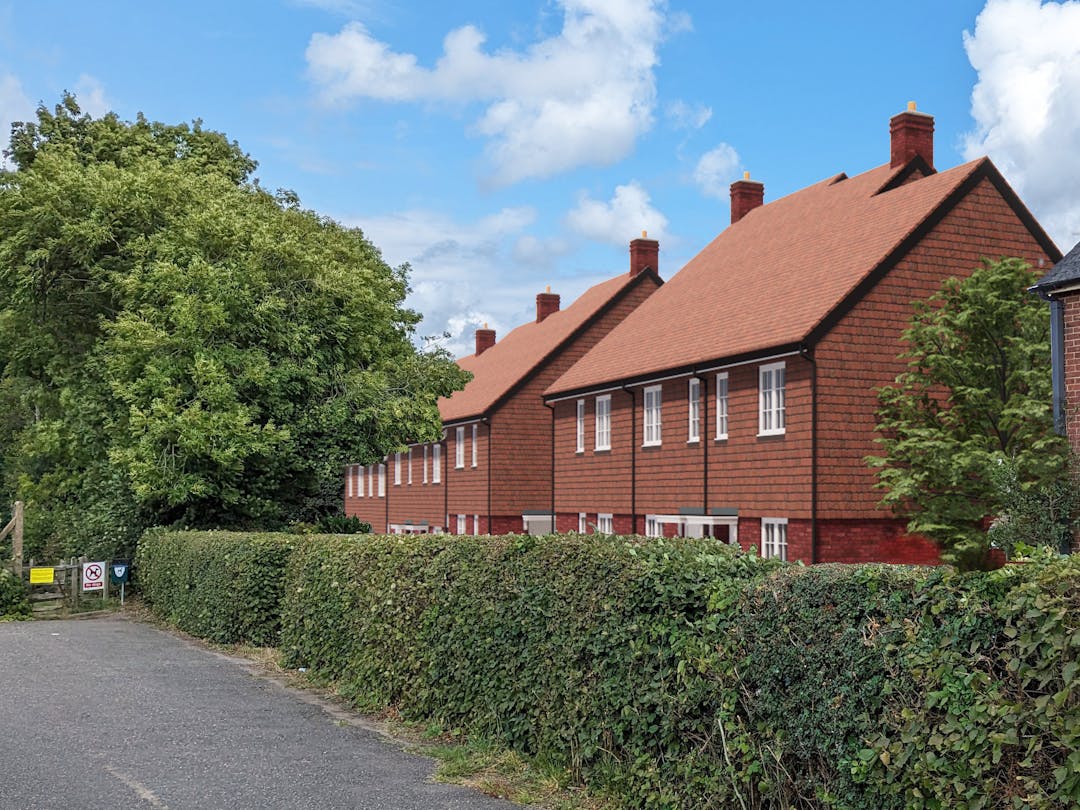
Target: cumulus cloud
14, 106
715, 170
581, 97
90, 94
620, 219
1026, 105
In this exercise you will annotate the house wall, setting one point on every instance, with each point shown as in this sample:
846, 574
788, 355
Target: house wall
1071, 304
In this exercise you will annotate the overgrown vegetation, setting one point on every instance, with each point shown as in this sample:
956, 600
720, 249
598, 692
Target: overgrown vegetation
14, 598
683, 673
976, 392
180, 347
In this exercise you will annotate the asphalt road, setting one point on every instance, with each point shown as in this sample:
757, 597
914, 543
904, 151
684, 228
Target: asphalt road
110, 713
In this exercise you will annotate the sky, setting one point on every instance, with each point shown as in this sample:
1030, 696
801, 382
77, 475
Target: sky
500, 148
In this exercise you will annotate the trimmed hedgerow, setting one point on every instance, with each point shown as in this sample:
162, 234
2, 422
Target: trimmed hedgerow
222, 586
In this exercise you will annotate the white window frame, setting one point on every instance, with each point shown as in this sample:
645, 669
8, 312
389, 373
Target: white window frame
462, 524
693, 411
653, 527
474, 432
603, 422
382, 480
348, 482
774, 543
397, 469
652, 403
605, 523
358, 471
436, 464
425, 463
772, 406
459, 448
410, 467
583, 523
722, 405
476, 524
580, 426
371, 481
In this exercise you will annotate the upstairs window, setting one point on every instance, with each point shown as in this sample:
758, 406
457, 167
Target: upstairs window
410, 466
721, 405
774, 538
693, 430
436, 463
603, 422
580, 426
474, 432
459, 449
397, 469
371, 481
382, 480
425, 463
771, 399
652, 415
348, 482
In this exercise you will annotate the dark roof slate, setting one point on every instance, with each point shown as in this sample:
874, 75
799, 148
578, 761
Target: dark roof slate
1066, 271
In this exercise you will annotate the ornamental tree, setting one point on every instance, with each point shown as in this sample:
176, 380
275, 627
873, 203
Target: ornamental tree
977, 390
179, 346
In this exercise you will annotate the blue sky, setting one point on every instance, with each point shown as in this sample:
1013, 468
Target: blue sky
502, 147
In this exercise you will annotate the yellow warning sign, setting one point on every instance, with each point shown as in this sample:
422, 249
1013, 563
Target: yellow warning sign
41, 576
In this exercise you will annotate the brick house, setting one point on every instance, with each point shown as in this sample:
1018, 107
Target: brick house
1061, 288
492, 470
738, 401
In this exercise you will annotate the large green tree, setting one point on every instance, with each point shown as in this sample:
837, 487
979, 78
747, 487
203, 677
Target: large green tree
976, 392
180, 347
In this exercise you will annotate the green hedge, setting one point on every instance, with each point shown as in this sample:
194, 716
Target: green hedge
14, 597
684, 673
221, 586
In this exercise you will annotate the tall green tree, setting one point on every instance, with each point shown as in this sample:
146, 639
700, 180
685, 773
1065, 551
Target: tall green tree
180, 347
977, 390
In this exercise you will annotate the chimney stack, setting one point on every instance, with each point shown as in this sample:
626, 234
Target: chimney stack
911, 133
746, 195
644, 254
547, 303
485, 339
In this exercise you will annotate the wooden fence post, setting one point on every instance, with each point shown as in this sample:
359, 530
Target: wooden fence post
17, 539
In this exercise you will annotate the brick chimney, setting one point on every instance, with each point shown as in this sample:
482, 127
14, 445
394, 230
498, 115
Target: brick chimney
746, 195
547, 303
485, 339
911, 133
644, 254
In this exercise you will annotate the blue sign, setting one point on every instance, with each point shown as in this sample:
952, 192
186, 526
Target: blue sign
119, 573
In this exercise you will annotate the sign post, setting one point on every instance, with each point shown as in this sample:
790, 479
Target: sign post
119, 573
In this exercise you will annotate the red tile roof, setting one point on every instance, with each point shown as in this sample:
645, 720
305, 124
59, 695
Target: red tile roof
513, 358
768, 280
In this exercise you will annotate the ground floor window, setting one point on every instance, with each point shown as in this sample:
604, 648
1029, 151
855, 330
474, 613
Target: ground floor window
774, 538
461, 527
582, 523
724, 527
537, 523
605, 524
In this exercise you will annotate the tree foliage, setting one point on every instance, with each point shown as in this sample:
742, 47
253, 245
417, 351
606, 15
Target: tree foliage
180, 347
977, 390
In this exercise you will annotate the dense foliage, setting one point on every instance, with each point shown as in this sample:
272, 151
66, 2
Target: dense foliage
683, 673
14, 597
180, 347
976, 391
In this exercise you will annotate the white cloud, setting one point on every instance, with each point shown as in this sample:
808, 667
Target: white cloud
715, 170
580, 97
90, 94
1026, 105
14, 106
682, 115
619, 220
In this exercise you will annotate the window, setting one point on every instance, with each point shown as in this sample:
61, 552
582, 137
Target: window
721, 405
476, 524
652, 415
425, 463
382, 480
771, 398
582, 523
693, 431
474, 431
410, 466
359, 470
605, 524
603, 422
774, 538
371, 481
459, 448
397, 469
348, 482
436, 463
461, 527
652, 527
580, 426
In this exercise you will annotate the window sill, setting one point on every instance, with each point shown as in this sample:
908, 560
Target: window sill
693, 441
721, 438
652, 444
765, 433
602, 449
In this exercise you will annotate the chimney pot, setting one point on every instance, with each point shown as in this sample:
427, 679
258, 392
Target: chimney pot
746, 195
485, 339
911, 133
644, 255
547, 303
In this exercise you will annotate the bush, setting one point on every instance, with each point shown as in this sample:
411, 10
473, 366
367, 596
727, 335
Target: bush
342, 524
14, 602
221, 586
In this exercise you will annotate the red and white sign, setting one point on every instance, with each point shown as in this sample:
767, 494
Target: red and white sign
93, 576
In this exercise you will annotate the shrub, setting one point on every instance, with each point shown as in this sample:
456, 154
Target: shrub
14, 602
221, 586
342, 524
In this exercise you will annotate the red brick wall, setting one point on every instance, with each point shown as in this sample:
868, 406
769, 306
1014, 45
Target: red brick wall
1071, 305
859, 541
861, 351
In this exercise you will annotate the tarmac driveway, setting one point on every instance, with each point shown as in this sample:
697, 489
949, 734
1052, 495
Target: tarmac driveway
111, 713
